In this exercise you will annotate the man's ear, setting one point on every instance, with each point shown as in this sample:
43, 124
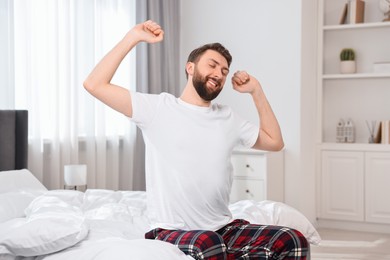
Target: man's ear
190, 68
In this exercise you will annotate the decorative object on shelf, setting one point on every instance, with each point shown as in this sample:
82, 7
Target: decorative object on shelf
382, 67
384, 6
349, 131
371, 129
356, 11
340, 131
347, 61
75, 175
345, 131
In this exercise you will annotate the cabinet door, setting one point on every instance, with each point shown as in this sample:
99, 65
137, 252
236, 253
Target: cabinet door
342, 185
378, 187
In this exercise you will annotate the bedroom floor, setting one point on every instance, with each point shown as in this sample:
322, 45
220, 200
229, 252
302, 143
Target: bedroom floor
351, 245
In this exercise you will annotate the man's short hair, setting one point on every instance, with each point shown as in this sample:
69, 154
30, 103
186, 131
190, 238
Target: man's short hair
216, 46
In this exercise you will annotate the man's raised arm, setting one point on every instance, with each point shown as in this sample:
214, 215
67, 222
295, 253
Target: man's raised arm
270, 136
98, 83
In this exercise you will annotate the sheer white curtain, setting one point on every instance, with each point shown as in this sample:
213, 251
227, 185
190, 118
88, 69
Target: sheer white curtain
55, 45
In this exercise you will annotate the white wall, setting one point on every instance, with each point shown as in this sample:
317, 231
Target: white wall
264, 38
308, 108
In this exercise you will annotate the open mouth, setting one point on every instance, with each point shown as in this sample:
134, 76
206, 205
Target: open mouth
213, 83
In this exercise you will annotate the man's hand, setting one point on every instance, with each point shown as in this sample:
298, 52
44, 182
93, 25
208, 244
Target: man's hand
244, 83
148, 31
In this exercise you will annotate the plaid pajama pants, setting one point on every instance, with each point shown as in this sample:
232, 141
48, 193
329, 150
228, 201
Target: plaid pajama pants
237, 240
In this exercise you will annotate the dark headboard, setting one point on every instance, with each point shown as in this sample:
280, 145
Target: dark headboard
13, 139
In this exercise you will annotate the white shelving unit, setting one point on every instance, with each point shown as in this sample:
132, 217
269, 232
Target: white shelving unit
345, 182
361, 96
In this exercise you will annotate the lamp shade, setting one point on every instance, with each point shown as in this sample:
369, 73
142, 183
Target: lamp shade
75, 174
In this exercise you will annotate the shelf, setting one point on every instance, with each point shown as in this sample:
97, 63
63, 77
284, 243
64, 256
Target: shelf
356, 26
356, 76
360, 96
364, 147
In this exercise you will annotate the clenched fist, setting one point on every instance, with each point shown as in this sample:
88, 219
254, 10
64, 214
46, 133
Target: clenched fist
148, 31
244, 83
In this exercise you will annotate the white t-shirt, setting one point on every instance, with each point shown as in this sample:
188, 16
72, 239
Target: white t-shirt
188, 159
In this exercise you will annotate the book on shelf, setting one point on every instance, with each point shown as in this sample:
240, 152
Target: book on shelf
382, 135
385, 131
344, 14
378, 136
356, 11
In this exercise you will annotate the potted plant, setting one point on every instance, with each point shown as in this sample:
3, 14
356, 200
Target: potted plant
347, 61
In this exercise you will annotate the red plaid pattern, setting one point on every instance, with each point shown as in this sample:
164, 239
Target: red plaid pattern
237, 240
200, 244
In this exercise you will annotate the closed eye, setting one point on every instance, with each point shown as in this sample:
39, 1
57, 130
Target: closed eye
224, 70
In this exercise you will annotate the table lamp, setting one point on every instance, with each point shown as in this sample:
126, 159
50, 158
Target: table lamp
75, 175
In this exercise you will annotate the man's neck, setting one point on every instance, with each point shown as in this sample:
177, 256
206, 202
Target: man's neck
189, 95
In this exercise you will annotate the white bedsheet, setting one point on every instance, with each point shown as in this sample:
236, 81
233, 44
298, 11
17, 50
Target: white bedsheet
104, 224
119, 248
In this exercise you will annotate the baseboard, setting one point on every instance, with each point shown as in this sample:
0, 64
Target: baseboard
353, 226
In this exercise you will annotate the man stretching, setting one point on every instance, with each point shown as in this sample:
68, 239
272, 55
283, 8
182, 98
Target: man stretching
189, 141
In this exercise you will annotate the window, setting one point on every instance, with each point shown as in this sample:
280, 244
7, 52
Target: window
56, 44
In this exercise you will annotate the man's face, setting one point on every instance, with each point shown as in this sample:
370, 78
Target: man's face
210, 74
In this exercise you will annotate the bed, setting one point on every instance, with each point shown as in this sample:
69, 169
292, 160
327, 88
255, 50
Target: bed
41, 224
13, 139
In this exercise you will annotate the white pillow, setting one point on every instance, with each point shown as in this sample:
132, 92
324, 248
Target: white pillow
14, 203
275, 213
16, 180
135, 201
50, 226
72, 197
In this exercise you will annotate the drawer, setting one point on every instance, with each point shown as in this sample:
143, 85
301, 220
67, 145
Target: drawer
244, 189
251, 166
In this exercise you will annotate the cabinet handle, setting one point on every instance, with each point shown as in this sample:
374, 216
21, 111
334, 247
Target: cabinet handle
249, 193
249, 167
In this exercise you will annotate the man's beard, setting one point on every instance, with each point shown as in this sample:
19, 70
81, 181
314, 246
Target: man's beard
201, 88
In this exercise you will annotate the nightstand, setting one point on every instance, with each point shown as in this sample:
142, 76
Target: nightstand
258, 175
